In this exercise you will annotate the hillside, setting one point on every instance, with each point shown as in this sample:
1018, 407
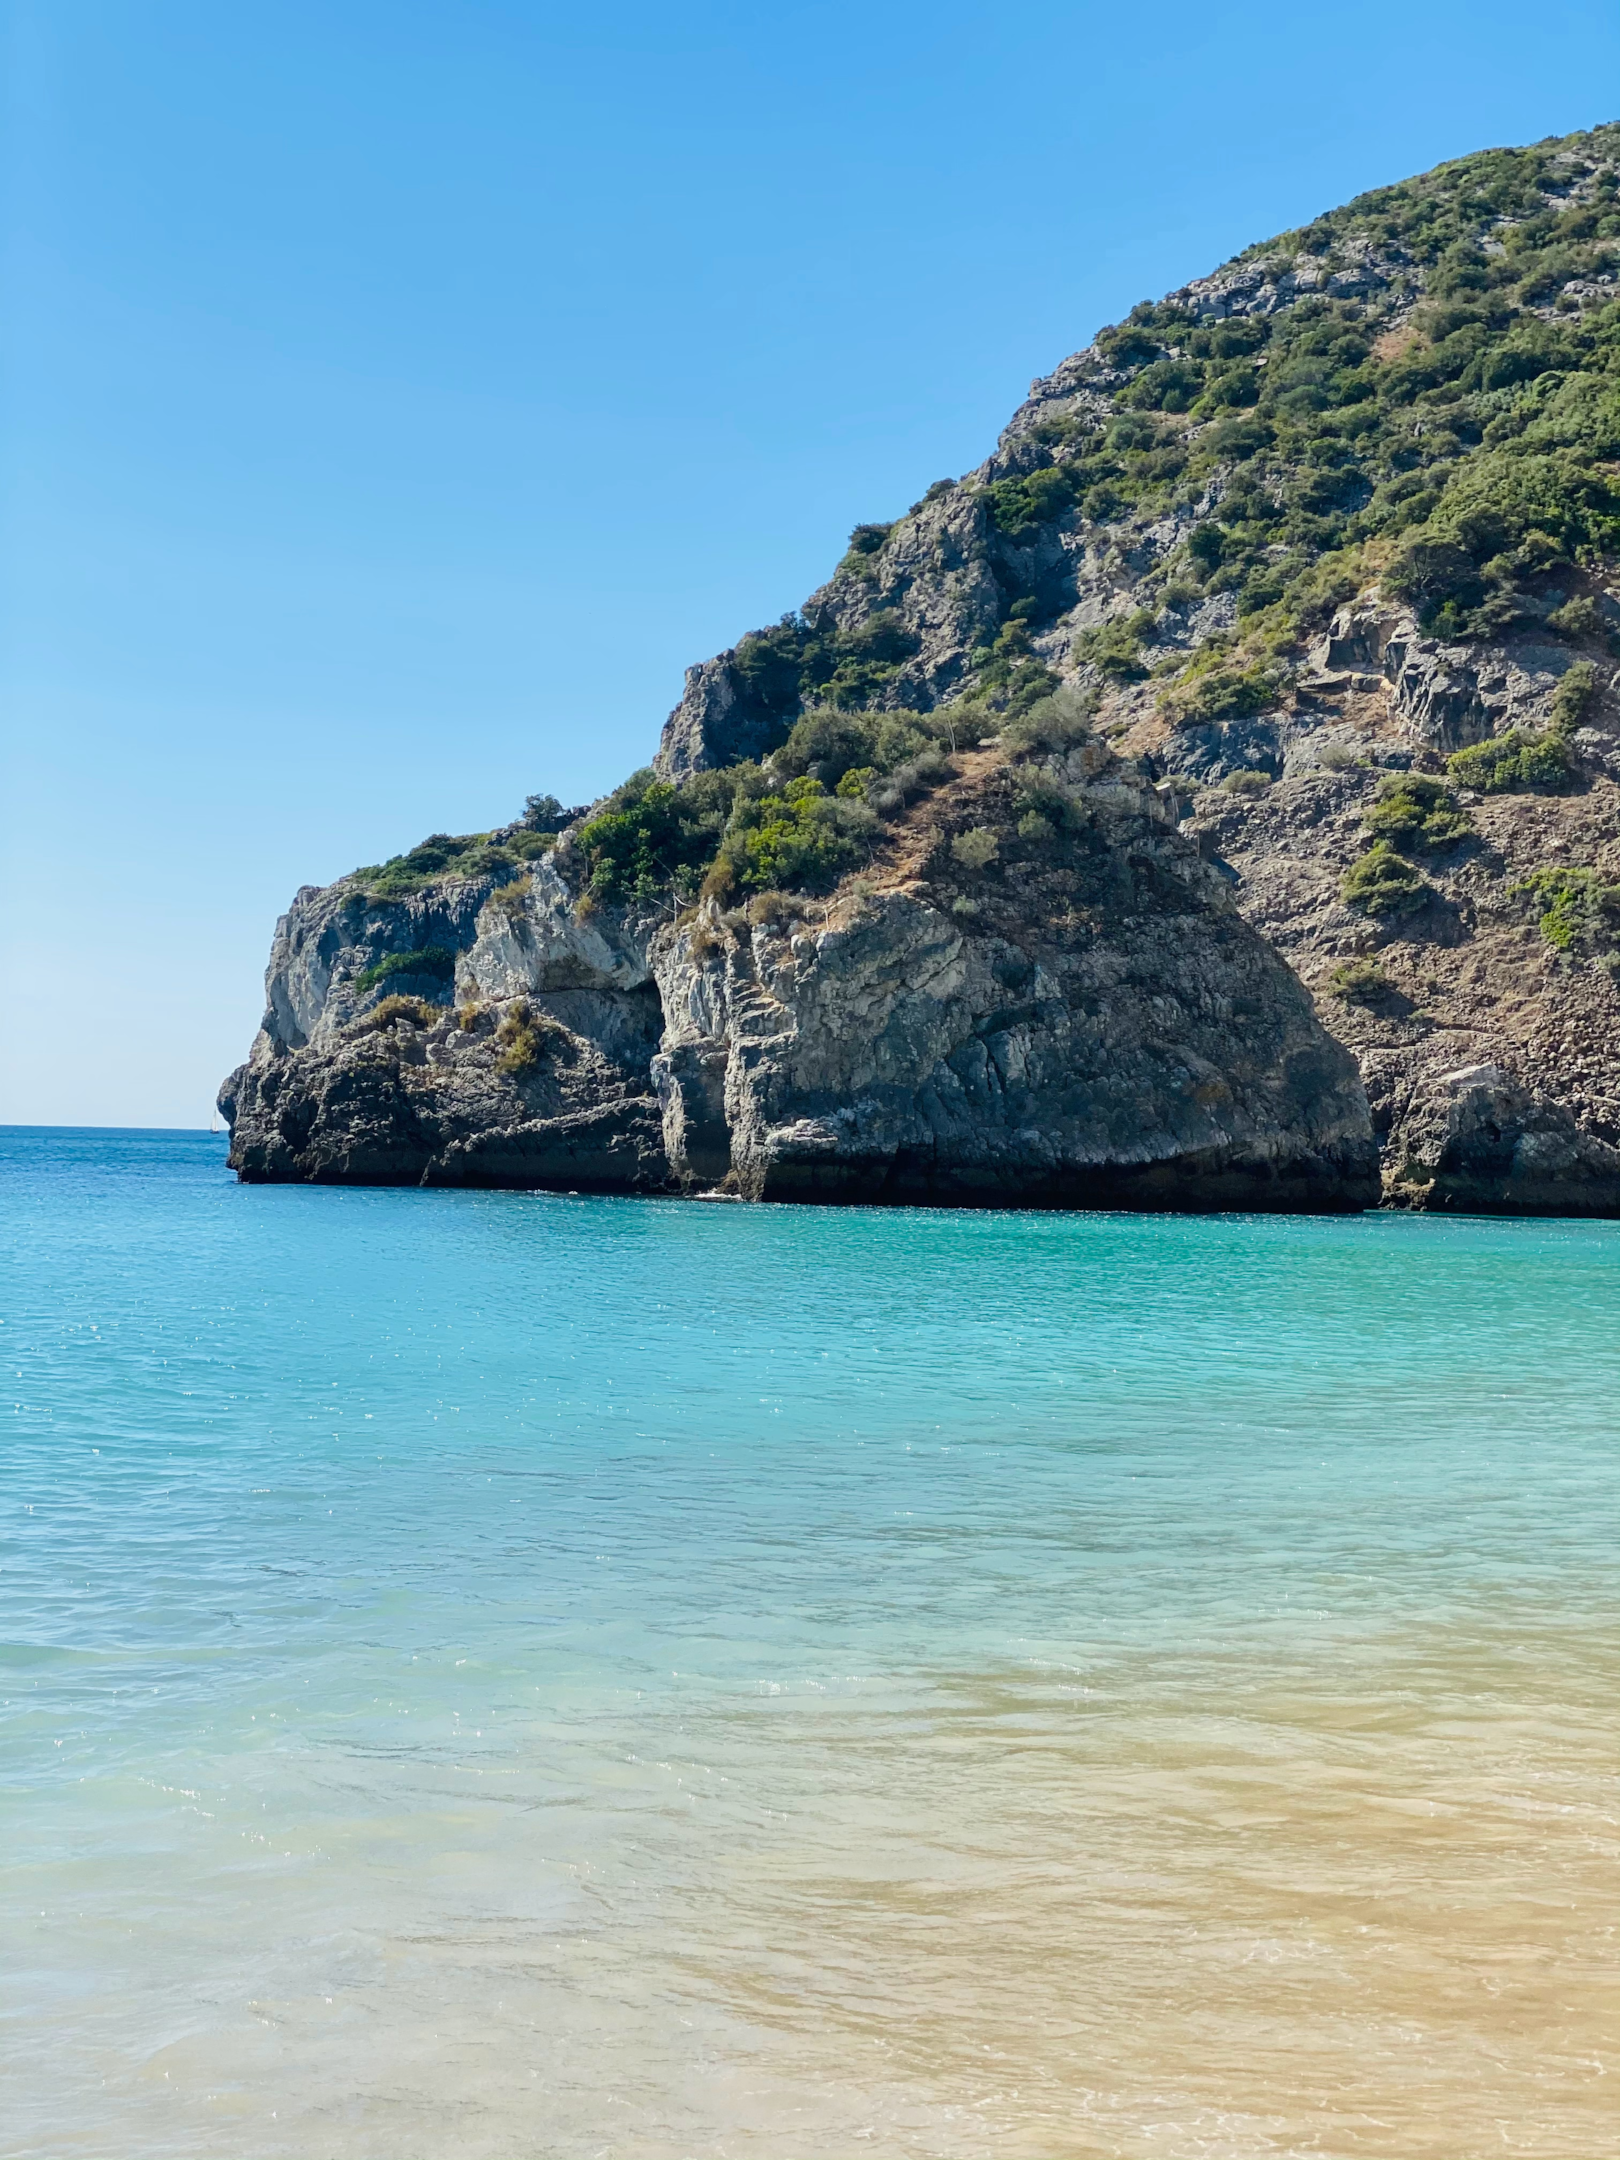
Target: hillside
1283, 612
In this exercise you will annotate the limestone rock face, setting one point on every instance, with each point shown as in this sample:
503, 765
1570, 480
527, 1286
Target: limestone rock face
1476, 1136
1087, 1022
471, 1082
715, 723
1139, 1048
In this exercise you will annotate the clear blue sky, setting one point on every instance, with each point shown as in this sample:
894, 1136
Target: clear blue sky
398, 397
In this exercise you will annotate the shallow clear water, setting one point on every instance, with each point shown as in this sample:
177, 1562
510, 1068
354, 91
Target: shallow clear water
504, 1674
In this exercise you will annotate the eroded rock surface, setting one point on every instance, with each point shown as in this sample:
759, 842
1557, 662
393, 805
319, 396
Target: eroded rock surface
1082, 1023
1087, 1025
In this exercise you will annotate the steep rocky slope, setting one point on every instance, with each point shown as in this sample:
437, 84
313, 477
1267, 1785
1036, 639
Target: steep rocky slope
1269, 659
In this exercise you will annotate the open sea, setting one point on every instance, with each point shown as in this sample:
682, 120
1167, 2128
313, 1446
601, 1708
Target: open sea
509, 1674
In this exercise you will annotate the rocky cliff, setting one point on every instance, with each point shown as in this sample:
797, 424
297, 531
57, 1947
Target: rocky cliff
1073, 1018
1216, 789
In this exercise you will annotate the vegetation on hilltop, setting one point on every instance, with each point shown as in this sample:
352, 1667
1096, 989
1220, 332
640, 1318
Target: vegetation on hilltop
1422, 387
1441, 409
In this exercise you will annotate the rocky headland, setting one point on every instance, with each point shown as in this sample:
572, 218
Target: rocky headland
1212, 801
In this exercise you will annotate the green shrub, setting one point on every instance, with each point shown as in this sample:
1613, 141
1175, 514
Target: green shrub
1431, 572
977, 849
769, 665
1248, 780
440, 855
1037, 796
802, 837
1021, 507
651, 842
1359, 982
1166, 386
1579, 908
1383, 883
1114, 647
865, 543
1217, 690
1574, 694
544, 814
1515, 763
1055, 722
866, 662
529, 846
827, 744
1580, 617
432, 961
1412, 810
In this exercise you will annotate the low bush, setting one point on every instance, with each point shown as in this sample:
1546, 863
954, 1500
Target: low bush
1580, 618
1055, 722
1574, 695
432, 962
1035, 795
1219, 689
1248, 780
1384, 883
865, 543
1580, 909
651, 842
801, 837
525, 1037
1114, 647
977, 849
1514, 764
415, 1012
771, 909
1021, 507
1358, 982
1412, 810
529, 846
828, 744
544, 815
890, 792
512, 899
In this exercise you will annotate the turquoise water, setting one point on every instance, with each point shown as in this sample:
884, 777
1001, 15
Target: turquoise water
512, 1674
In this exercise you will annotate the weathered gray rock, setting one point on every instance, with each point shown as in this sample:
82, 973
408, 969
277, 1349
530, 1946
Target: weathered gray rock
1081, 1023
715, 723
1101, 1030
1478, 1138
